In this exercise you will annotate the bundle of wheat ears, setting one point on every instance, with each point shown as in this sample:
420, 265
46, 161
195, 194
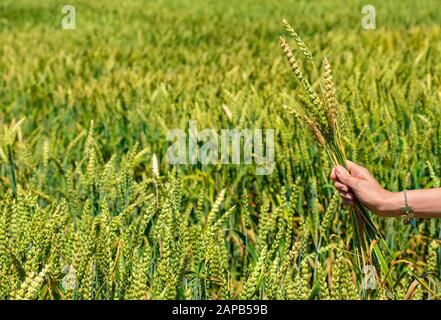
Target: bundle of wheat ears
318, 109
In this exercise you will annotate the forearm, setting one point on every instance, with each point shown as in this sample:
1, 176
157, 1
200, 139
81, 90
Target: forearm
426, 203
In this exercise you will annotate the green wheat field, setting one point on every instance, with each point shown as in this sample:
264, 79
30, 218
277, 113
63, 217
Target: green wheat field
91, 209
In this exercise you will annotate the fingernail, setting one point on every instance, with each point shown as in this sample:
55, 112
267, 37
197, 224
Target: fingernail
340, 170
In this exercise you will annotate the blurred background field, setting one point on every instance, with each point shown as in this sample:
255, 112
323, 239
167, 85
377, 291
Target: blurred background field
80, 198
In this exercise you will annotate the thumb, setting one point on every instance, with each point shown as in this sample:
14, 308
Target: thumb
345, 177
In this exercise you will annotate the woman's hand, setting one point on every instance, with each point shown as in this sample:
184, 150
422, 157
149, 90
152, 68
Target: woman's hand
359, 184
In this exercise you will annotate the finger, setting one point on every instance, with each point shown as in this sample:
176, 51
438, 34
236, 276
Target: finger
347, 195
355, 168
352, 165
332, 175
341, 187
345, 178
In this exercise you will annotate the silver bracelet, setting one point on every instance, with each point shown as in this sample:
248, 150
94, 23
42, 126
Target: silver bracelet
409, 214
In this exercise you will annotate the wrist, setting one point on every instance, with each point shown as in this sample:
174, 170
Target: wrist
390, 203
